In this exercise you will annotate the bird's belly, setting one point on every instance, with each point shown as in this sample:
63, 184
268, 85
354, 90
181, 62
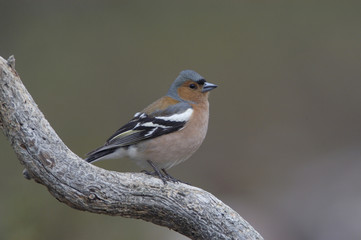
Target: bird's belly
168, 150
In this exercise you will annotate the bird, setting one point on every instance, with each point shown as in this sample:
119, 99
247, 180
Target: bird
165, 133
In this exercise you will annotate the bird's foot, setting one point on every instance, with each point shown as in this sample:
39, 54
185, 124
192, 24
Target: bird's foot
162, 174
169, 177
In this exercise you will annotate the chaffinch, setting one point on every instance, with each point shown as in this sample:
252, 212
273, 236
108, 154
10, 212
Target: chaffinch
165, 133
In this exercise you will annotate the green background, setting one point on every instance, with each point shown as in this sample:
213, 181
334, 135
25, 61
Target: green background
284, 140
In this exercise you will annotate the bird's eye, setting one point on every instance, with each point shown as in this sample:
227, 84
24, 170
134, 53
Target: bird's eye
193, 86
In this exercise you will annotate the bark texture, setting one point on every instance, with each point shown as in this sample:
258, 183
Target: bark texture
188, 210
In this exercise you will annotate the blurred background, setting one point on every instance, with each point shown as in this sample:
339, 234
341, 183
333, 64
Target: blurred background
284, 142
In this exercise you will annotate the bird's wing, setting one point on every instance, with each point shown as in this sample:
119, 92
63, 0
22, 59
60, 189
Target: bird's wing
146, 126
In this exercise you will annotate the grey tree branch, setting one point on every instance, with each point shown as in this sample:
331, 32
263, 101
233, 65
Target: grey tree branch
188, 210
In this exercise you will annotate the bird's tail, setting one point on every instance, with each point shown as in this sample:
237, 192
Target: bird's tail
101, 153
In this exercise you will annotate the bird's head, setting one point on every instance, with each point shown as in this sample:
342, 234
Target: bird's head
191, 87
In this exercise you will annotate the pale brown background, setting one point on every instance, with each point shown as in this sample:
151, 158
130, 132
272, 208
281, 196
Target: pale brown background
283, 147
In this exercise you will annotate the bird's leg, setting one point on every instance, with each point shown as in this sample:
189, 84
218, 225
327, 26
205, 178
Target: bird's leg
169, 177
156, 172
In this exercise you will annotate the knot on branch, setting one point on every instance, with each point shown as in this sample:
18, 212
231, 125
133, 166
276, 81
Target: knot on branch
11, 62
26, 174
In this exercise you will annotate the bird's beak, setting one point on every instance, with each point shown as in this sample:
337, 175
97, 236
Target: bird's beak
208, 86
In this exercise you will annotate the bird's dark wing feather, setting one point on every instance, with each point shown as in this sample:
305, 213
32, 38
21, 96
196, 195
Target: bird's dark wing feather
144, 126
